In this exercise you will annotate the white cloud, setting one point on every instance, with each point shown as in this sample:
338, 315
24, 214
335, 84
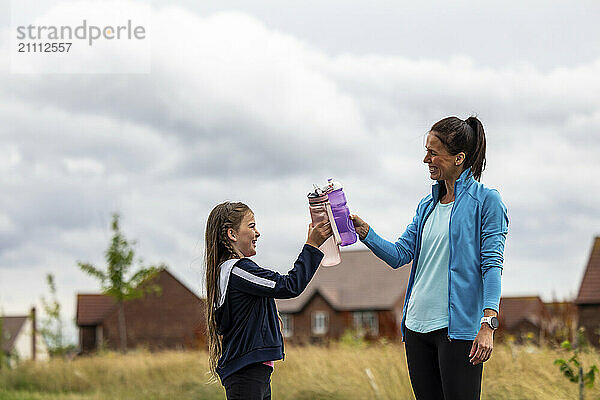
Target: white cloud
83, 165
10, 157
6, 223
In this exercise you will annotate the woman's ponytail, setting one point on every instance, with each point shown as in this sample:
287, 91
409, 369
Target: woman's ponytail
476, 159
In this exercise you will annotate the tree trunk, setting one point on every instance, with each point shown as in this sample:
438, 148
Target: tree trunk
122, 328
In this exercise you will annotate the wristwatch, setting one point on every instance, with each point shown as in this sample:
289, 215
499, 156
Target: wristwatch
491, 321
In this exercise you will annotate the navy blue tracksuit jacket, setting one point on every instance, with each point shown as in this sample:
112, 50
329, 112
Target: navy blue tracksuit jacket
246, 314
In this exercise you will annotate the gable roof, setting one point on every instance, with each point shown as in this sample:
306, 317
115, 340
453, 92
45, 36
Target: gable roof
165, 271
93, 308
589, 291
11, 326
516, 309
360, 282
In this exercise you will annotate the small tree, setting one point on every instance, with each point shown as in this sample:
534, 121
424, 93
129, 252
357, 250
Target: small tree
113, 281
52, 326
573, 368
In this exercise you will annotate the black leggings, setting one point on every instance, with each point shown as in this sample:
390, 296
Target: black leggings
252, 382
439, 368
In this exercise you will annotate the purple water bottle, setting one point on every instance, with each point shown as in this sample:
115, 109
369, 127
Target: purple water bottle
340, 211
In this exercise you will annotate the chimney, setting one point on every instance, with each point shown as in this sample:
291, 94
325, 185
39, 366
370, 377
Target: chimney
33, 333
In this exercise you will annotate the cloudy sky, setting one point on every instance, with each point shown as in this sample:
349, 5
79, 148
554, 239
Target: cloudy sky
256, 102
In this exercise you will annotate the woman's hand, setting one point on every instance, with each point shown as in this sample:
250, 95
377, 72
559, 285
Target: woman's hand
360, 226
483, 345
319, 233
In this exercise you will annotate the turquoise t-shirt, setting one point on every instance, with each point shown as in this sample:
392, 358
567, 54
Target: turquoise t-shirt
428, 304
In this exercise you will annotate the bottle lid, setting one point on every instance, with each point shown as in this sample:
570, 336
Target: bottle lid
332, 185
317, 196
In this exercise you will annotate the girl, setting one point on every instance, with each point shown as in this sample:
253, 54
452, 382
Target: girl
242, 322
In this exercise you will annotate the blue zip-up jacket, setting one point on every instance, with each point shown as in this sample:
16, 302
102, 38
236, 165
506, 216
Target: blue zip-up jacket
478, 229
246, 314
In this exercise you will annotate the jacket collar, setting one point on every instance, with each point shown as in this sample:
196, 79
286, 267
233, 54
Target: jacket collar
462, 183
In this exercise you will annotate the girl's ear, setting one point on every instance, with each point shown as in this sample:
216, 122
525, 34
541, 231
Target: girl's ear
460, 157
231, 235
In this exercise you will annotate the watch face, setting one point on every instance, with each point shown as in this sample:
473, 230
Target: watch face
495, 323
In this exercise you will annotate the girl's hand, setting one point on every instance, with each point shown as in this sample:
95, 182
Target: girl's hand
361, 227
319, 233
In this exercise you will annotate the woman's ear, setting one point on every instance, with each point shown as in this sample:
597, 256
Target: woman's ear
460, 158
231, 235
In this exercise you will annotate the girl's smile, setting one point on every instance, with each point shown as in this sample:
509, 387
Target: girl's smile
245, 238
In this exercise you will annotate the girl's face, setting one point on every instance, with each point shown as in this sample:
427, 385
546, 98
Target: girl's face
442, 165
244, 238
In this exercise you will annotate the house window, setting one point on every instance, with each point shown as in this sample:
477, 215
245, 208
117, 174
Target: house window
366, 322
288, 328
320, 322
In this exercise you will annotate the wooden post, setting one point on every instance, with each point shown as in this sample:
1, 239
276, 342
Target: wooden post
33, 334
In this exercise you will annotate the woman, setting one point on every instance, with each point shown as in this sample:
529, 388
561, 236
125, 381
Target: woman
456, 243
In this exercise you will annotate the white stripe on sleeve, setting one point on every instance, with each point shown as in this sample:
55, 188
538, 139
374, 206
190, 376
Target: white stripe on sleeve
224, 274
253, 278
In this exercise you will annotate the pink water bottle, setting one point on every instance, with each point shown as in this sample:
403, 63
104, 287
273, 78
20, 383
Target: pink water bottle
320, 210
341, 212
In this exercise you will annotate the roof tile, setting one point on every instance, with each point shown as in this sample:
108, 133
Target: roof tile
91, 308
360, 281
589, 291
11, 326
516, 309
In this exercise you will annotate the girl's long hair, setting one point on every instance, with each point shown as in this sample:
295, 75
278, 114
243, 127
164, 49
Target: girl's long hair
218, 249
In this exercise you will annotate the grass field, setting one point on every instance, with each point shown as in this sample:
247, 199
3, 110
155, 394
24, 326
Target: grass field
334, 372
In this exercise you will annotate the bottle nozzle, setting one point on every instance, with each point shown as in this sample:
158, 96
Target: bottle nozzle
318, 191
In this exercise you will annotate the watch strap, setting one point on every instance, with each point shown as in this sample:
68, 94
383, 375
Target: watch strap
487, 320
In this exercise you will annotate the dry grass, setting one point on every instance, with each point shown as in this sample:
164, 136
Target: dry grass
335, 372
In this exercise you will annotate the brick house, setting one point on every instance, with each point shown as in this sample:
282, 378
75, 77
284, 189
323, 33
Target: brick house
362, 294
588, 298
520, 316
173, 319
